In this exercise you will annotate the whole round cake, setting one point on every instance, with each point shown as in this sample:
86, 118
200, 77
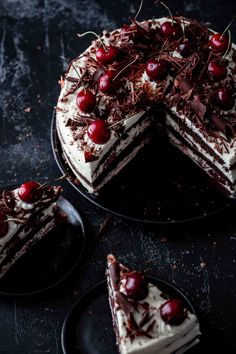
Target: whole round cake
103, 115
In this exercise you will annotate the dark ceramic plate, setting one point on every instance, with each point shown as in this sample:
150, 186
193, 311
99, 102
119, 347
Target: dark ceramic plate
88, 327
51, 260
160, 186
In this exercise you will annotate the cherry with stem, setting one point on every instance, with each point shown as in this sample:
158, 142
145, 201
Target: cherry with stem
106, 81
85, 99
220, 42
171, 30
105, 55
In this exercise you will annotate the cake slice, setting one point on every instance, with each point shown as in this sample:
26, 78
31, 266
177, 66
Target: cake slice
145, 320
27, 214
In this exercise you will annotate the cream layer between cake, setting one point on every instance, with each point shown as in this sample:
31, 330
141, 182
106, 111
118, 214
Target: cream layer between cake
218, 163
88, 172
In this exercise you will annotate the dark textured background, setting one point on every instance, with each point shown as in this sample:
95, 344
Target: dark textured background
199, 258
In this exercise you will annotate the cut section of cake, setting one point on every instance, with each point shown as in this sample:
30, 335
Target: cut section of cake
102, 115
145, 320
27, 214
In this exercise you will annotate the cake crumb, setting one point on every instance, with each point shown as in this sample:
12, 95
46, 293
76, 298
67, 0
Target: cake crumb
202, 265
76, 293
27, 109
104, 225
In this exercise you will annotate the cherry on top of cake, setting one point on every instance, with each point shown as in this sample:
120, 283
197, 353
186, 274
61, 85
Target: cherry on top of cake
132, 68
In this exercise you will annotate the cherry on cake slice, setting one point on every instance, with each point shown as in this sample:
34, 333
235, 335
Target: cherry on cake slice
27, 214
145, 320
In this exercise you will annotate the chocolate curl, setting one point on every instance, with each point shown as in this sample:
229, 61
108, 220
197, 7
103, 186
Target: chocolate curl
187, 88
114, 268
133, 323
144, 319
199, 108
140, 29
184, 85
97, 74
190, 66
175, 99
8, 199
124, 303
223, 125
150, 327
72, 79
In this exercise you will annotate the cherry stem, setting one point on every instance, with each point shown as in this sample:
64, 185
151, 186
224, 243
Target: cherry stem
162, 48
226, 29
140, 8
72, 64
15, 219
133, 61
95, 34
168, 9
229, 43
183, 27
53, 180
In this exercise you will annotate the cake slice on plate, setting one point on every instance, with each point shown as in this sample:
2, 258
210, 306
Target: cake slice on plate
27, 214
144, 319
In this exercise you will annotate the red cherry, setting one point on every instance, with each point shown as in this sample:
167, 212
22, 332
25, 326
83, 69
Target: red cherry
172, 30
98, 131
107, 55
224, 98
173, 312
217, 71
157, 69
135, 285
86, 101
219, 43
185, 47
3, 224
30, 192
105, 83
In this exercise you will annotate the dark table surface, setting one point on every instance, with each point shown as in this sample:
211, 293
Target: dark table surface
199, 258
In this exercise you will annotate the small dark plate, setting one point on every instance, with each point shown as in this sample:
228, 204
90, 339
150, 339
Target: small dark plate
88, 329
51, 260
160, 186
